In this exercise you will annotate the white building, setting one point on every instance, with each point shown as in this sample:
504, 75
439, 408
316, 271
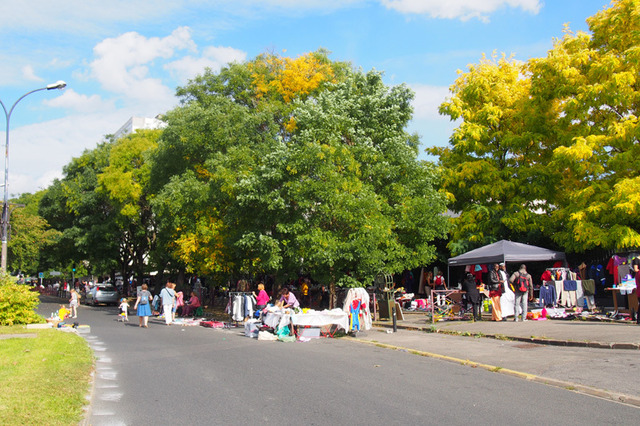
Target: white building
138, 123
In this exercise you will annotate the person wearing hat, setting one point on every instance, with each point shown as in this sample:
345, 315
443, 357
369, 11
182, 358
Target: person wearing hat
522, 286
495, 292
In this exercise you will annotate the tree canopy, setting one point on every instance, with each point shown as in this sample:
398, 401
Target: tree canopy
547, 150
273, 166
286, 177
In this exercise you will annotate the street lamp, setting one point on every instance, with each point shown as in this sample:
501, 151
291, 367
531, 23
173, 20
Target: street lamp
5, 206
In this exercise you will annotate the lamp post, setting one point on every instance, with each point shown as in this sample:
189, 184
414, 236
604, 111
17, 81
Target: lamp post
5, 206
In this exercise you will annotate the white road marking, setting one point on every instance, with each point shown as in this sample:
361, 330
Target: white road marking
111, 396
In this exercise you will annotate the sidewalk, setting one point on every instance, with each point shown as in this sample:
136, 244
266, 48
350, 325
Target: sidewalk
593, 358
575, 333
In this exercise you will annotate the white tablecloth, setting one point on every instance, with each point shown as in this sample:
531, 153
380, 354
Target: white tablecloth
321, 318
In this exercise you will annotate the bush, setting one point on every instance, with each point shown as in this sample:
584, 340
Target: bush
17, 304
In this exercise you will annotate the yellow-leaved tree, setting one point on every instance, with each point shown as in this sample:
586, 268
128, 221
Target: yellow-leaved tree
548, 151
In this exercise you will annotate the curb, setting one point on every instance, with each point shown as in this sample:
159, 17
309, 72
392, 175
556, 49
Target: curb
86, 418
570, 386
536, 340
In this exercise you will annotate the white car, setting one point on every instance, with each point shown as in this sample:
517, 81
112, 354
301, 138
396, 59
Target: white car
106, 293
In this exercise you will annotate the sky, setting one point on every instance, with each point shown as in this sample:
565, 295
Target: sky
124, 58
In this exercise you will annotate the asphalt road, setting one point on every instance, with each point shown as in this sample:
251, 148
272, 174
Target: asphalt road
197, 376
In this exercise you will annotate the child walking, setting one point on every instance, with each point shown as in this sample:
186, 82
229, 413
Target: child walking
124, 310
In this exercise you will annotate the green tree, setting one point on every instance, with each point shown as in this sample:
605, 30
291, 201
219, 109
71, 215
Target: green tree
495, 172
229, 122
30, 235
84, 215
587, 91
335, 189
548, 149
125, 182
366, 203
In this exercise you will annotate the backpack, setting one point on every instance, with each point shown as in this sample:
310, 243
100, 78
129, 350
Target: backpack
438, 280
521, 283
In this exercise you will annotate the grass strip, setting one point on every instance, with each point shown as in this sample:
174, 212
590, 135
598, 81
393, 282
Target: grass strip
45, 379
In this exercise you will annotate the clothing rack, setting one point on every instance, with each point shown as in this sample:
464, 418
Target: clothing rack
232, 295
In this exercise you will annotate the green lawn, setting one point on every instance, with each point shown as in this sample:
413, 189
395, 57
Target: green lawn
44, 379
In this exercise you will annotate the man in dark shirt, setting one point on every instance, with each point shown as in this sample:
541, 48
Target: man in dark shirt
473, 295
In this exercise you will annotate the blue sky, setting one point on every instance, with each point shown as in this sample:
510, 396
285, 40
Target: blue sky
123, 58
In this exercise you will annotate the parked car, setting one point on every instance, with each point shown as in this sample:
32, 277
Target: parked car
102, 293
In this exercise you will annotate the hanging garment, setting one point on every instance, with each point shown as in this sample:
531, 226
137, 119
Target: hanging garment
361, 294
548, 295
600, 278
229, 308
582, 271
237, 313
623, 271
589, 287
354, 315
248, 306
569, 298
591, 303
612, 267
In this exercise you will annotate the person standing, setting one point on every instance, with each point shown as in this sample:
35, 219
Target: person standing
439, 281
74, 302
522, 286
304, 291
178, 302
143, 306
472, 294
428, 283
262, 298
495, 292
168, 296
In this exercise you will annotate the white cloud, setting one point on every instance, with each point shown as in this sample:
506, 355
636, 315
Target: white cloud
72, 100
38, 152
122, 64
427, 100
213, 57
460, 9
29, 74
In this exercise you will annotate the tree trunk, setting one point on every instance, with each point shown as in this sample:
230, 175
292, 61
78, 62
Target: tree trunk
332, 290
